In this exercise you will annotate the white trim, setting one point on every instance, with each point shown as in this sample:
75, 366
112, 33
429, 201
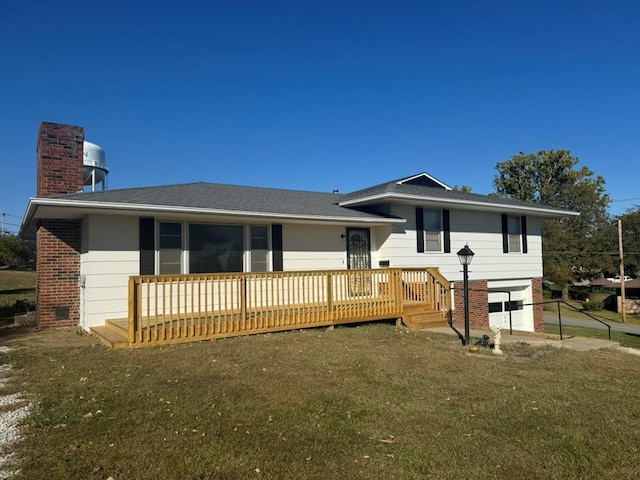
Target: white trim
425, 174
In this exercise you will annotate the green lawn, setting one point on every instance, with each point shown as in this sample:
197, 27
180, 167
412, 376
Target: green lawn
624, 339
16, 286
365, 402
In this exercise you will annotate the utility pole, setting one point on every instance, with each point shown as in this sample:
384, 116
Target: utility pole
4, 216
622, 287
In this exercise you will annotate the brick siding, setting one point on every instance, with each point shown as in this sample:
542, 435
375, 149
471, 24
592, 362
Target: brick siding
59, 171
478, 305
537, 297
58, 273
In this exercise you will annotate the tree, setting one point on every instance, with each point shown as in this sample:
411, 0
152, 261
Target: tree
572, 247
631, 239
15, 252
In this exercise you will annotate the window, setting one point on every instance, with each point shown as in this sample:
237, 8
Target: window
515, 305
514, 234
259, 245
495, 307
513, 231
183, 247
215, 248
170, 248
432, 231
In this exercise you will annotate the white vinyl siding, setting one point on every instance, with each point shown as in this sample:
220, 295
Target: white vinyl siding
482, 230
110, 254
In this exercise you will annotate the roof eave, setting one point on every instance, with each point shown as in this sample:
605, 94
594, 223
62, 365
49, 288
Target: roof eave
73, 206
475, 205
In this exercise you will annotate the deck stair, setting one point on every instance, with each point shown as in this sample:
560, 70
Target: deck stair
416, 316
113, 334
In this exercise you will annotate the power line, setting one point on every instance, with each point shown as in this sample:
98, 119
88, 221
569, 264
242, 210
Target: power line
625, 200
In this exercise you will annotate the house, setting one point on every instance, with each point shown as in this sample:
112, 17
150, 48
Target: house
610, 293
91, 245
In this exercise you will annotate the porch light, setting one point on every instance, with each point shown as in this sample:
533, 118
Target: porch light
465, 255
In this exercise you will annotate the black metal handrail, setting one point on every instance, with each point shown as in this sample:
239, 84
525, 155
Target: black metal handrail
558, 302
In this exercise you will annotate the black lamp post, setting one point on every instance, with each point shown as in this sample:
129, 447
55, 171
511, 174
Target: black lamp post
465, 255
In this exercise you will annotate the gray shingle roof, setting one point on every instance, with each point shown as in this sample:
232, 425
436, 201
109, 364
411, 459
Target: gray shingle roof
437, 193
274, 202
222, 197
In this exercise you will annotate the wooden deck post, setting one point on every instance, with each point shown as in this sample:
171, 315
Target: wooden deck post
131, 324
243, 301
330, 296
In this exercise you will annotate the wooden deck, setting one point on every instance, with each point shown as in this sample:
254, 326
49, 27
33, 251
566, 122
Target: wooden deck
187, 308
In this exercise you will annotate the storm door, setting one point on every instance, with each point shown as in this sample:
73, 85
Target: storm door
359, 258
358, 248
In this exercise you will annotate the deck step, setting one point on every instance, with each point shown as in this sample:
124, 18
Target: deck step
424, 319
118, 325
110, 337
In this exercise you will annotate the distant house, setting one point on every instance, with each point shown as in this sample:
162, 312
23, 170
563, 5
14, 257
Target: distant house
91, 243
611, 293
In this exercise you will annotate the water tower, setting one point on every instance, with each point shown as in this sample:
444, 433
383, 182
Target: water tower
95, 166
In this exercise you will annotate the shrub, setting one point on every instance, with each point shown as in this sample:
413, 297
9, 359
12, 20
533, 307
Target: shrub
579, 293
589, 306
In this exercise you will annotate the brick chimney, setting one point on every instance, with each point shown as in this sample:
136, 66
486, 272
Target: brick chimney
60, 150
60, 171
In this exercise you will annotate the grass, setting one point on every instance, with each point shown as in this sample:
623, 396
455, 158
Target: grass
16, 286
358, 402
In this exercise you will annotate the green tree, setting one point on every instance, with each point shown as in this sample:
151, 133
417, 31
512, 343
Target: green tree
572, 246
630, 239
15, 252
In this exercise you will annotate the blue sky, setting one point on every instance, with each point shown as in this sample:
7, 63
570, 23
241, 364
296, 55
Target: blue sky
317, 95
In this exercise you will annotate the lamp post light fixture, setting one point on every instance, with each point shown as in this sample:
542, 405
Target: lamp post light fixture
465, 255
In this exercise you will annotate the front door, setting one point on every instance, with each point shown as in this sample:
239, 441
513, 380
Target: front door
358, 248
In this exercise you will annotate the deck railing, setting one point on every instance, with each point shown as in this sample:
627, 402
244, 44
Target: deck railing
179, 308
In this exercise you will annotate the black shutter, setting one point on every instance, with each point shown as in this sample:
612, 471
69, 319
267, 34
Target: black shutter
276, 247
147, 246
523, 229
420, 229
505, 234
446, 230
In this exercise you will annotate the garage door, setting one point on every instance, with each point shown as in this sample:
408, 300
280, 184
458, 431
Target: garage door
500, 304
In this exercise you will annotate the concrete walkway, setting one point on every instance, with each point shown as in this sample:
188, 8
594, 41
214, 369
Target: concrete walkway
581, 344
